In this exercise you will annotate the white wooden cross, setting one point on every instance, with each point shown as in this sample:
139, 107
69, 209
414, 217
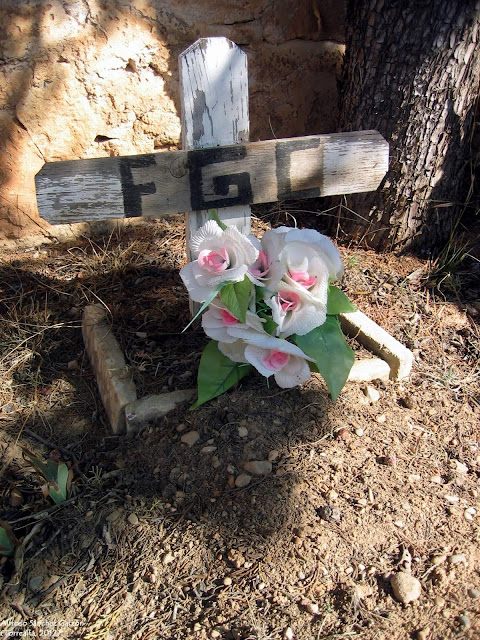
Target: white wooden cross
217, 168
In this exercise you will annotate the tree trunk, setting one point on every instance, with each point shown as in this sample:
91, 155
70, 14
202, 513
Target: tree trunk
411, 71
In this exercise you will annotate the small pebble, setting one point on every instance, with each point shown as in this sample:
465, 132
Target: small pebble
273, 455
227, 581
363, 590
115, 514
381, 419
215, 634
258, 467
464, 620
458, 466
209, 449
242, 480
288, 634
439, 601
133, 518
329, 513
190, 438
236, 558
343, 434
436, 479
372, 394
474, 593
469, 513
452, 499
438, 559
423, 634
408, 402
359, 431
390, 460
457, 558
197, 627
168, 558
312, 608
35, 582
406, 588
16, 498
242, 432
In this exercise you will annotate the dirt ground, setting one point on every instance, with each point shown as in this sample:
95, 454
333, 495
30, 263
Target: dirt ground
156, 540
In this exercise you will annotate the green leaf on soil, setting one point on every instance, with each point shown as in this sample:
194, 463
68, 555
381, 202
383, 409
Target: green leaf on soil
8, 541
334, 358
338, 302
217, 373
56, 474
236, 297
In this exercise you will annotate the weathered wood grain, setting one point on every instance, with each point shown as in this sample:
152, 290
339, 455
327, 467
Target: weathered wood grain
214, 110
153, 185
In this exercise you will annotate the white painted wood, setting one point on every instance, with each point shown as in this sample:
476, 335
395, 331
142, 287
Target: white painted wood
214, 103
310, 166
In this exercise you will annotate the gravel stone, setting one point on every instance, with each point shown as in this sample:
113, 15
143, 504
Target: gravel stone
464, 620
190, 438
258, 467
133, 518
406, 588
242, 480
168, 558
372, 394
35, 583
458, 558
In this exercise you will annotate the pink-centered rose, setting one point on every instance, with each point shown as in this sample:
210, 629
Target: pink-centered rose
293, 311
217, 322
222, 256
306, 262
269, 355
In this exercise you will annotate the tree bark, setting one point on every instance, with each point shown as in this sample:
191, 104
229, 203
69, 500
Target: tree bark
411, 71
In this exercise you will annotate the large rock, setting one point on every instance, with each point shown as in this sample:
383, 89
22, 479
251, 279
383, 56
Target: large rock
84, 79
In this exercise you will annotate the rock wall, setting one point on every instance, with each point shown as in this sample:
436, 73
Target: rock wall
90, 78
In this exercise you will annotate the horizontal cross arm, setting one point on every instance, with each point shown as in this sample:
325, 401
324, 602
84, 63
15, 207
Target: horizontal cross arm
168, 182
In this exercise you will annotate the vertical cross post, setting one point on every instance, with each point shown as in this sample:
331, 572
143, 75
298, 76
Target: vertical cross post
214, 103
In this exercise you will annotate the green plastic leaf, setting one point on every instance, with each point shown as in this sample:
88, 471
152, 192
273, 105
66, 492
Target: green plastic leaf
204, 305
269, 325
334, 358
56, 474
236, 297
338, 302
8, 540
213, 215
217, 373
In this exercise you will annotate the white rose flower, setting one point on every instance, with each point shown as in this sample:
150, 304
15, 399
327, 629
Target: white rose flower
306, 263
270, 356
222, 256
217, 321
293, 311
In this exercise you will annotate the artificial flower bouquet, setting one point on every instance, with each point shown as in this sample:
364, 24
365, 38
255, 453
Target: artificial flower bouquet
268, 304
